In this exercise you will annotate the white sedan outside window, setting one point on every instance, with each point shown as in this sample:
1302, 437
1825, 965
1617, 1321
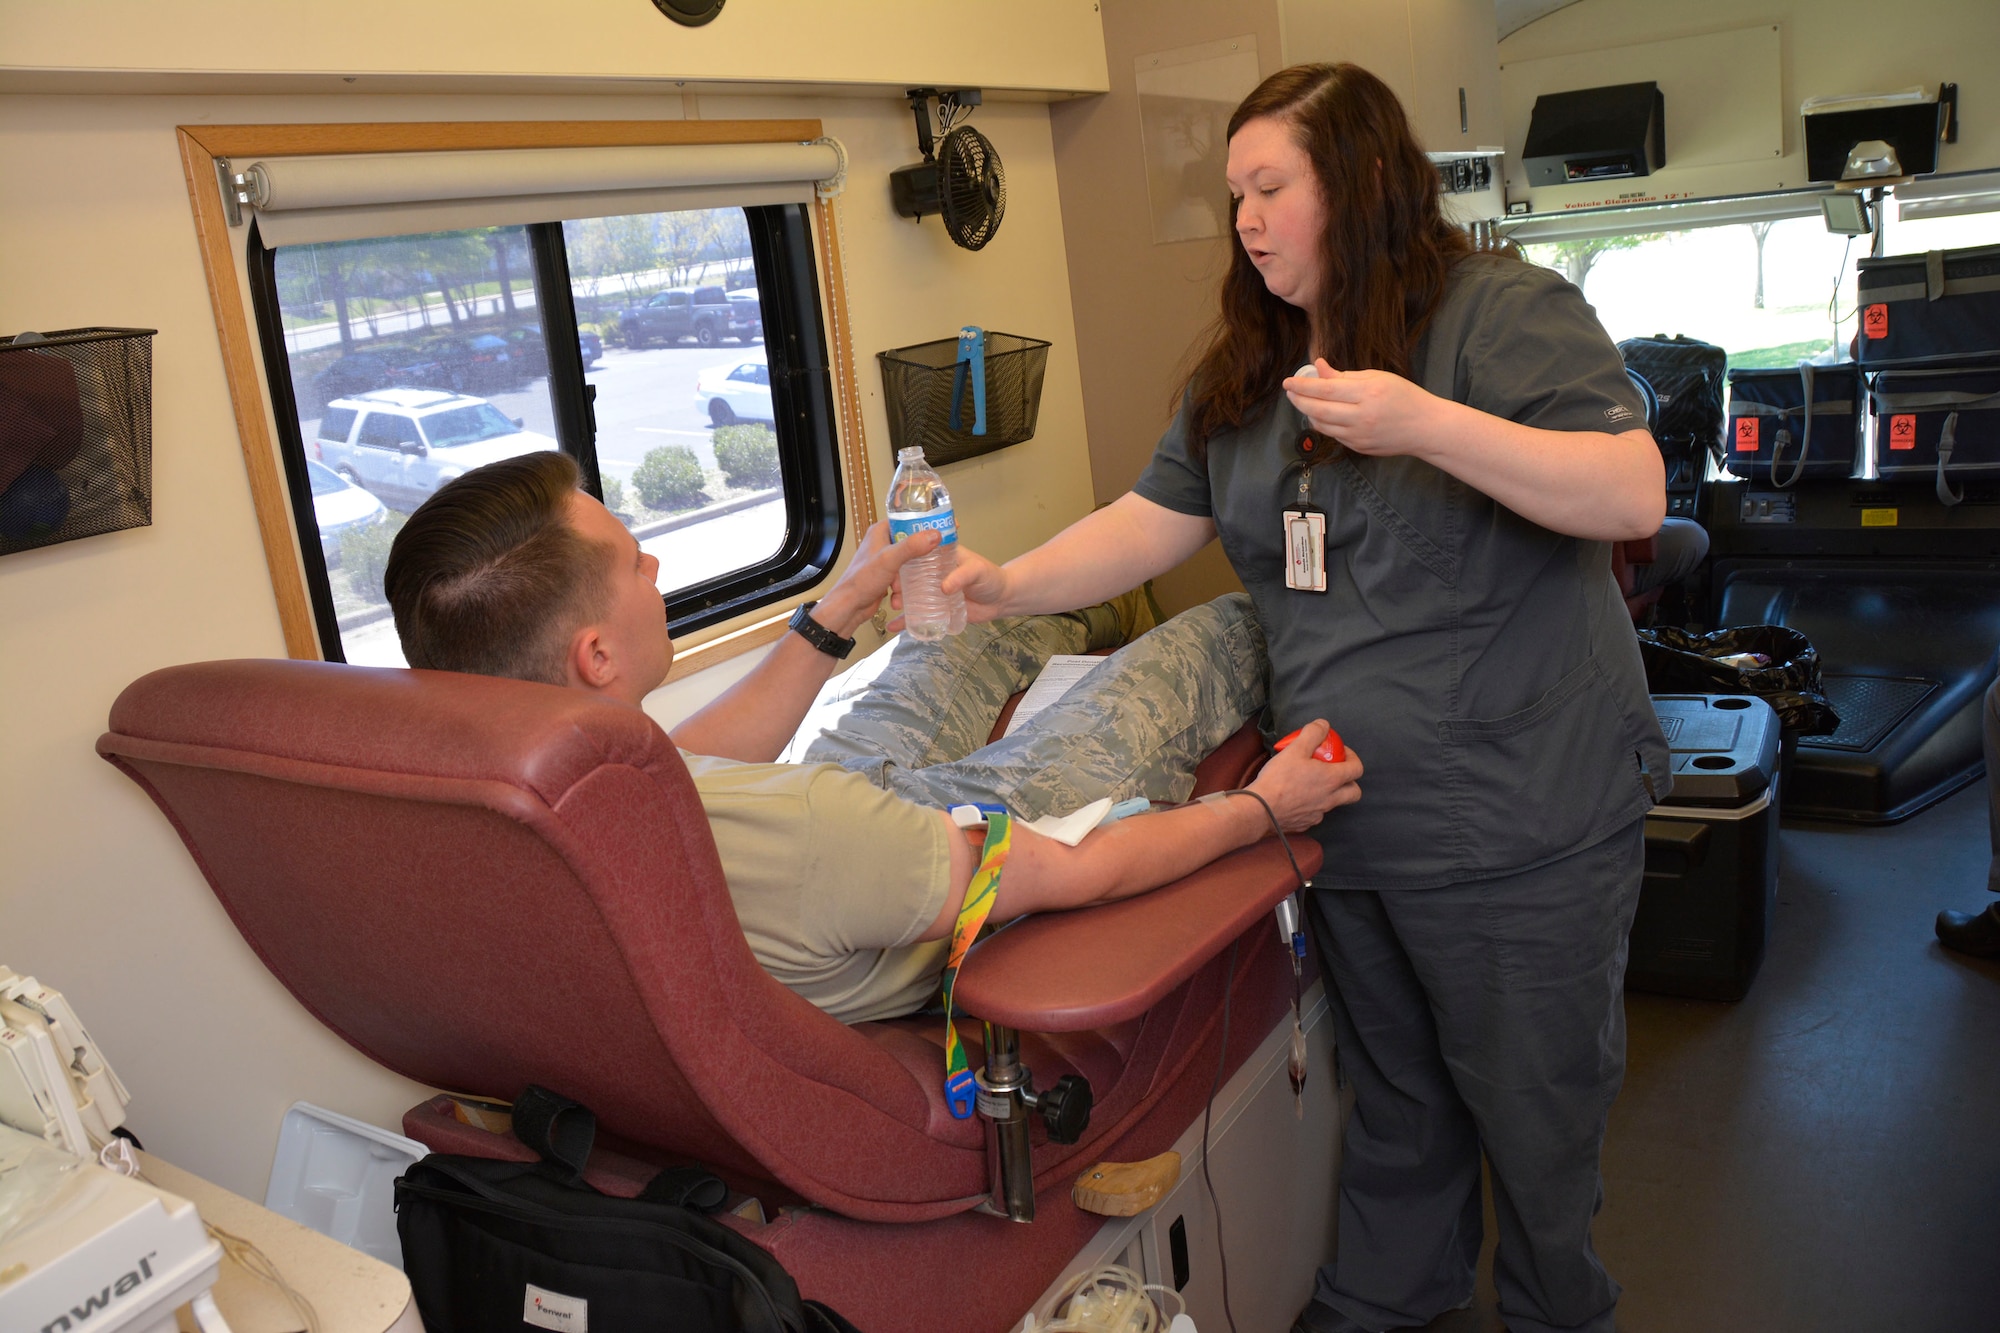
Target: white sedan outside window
738, 390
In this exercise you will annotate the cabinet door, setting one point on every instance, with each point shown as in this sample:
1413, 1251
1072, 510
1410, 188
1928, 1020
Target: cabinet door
1374, 34
1455, 53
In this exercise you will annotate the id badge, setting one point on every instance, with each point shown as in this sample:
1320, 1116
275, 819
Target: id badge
1305, 550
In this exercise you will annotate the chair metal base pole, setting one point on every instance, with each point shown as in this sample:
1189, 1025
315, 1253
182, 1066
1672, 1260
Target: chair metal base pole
1005, 1094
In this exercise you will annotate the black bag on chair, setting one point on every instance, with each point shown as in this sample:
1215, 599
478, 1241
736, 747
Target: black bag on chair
1687, 376
491, 1244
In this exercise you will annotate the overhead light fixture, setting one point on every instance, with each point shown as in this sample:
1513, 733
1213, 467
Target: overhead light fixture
1846, 214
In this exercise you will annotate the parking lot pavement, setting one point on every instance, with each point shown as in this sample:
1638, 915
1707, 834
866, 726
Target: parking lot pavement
373, 644
717, 545
646, 399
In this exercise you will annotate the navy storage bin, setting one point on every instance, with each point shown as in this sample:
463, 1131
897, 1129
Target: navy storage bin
1940, 306
1773, 437
1936, 426
1711, 885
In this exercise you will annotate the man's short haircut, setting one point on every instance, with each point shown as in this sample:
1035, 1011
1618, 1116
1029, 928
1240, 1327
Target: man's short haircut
489, 576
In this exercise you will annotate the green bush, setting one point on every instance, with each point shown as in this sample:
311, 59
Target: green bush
364, 554
669, 477
748, 455
614, 494
611, 331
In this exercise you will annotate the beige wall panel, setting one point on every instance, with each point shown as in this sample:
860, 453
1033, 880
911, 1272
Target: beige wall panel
97, 896
1826, 47
1374, 34
1425, 50
1139, 305
1000, 44
1454, 46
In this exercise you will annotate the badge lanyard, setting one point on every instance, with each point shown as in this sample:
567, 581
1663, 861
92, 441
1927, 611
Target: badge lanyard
1305, 531
959, 1090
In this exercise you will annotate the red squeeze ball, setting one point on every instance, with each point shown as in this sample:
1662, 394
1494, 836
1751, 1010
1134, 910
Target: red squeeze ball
1329, 750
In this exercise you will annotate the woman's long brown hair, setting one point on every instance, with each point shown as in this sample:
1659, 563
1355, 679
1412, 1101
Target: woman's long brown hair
1383, 257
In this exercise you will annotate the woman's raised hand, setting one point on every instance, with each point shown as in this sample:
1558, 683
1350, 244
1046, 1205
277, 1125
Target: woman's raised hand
1372, 412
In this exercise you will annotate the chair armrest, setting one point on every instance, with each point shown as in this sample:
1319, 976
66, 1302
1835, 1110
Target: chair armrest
1097, 966
1233, 764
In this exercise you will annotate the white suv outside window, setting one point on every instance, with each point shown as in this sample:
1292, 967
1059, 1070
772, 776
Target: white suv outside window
402, 444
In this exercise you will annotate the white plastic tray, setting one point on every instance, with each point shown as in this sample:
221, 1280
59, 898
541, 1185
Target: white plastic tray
337, 1175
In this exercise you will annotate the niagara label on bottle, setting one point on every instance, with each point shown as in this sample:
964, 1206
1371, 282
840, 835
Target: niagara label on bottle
938, 521
919, 502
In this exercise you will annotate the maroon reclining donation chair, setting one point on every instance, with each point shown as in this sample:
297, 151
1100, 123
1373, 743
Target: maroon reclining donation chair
485, 883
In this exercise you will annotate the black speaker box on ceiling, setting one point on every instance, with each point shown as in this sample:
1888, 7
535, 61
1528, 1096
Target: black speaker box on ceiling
1596, 134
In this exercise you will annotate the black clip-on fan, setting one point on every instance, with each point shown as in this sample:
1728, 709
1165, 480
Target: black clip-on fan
960, 178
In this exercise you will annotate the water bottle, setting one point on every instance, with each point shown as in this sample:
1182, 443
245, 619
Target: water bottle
918, 502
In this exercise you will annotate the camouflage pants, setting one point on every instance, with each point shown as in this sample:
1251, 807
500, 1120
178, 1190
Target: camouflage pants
914, 717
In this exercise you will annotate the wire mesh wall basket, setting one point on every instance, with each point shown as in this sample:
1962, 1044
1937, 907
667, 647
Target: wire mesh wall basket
76, 435
933, 393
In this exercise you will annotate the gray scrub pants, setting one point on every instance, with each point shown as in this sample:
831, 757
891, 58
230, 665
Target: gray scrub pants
1680, 547
1485, 1016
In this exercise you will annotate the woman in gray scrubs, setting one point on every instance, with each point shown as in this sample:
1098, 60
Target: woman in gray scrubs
1423, 525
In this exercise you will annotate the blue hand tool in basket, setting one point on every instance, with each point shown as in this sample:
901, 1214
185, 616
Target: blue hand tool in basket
972, 360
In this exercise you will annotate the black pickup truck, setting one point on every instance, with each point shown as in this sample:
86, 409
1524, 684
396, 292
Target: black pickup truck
705, 314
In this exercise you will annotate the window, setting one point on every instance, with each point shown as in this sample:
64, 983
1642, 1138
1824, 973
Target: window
635, 343
1761, 290
1772, 293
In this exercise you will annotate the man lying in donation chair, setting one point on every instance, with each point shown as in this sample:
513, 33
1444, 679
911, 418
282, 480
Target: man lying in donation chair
483, 882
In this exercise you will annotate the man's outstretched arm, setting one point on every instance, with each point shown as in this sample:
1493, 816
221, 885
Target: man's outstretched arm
1147, 851
753, 720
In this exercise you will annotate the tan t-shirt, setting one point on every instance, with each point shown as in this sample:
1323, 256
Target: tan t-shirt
833, 880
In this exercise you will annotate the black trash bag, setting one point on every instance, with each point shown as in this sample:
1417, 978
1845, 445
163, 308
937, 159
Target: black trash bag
1681, 663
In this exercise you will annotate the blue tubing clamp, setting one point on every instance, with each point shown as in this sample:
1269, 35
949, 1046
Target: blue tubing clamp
972, 358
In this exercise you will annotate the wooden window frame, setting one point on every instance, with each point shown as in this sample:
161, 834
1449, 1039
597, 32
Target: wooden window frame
202, 145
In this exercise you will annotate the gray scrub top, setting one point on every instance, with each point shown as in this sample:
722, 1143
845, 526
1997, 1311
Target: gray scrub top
1483, 666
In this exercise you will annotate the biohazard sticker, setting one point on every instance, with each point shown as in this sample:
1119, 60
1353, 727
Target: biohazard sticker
1903, 432
1746, 435
1875, 321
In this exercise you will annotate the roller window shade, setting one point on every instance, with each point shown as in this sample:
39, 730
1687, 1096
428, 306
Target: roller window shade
307, 200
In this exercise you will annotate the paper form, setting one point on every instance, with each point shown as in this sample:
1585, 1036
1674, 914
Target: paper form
1062, 671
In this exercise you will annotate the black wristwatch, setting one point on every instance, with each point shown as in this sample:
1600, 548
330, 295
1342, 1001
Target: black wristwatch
818, 635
